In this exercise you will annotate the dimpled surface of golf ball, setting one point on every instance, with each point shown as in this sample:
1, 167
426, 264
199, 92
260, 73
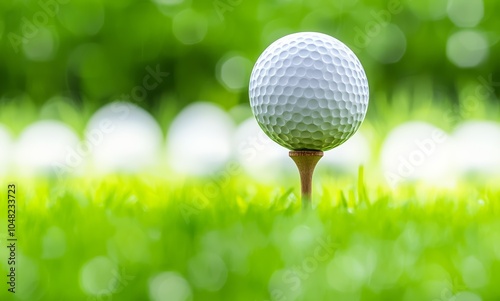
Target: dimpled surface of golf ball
308, 91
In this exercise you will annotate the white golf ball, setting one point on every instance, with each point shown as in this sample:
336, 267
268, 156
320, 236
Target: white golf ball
308, 91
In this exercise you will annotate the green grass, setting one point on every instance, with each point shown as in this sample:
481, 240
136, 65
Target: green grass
230, 238
242, 241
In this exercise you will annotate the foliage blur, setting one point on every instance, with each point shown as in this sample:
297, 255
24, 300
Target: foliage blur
92, 52
229, 236
103, 240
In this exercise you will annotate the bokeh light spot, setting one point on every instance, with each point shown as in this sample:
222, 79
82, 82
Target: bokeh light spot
474, 273
199, 139
189, 27
43, 147
348, 156
234, 72
169, 286
98, 276
82, 17
208, 271
417, 151
259, 156
123, 137
5, 149
168, 2
429, 9
467, 48
41, 47
466, 13
345, 273
54, 243
477, 147
389, 46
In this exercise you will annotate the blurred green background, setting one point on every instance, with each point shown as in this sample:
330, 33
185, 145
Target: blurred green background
233, 236
93, 52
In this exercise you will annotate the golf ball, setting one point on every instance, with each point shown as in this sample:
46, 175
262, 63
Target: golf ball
308, 91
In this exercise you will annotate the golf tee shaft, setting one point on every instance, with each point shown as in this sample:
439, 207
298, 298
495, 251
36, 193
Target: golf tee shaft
306, 161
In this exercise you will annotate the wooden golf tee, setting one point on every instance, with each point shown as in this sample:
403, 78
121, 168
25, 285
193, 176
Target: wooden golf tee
306, 161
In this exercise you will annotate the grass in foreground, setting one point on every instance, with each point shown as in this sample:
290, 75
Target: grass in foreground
123, 238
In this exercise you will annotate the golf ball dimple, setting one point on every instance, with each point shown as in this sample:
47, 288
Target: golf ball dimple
308, 91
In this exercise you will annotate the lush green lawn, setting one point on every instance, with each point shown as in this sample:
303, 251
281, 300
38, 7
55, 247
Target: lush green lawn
128, 238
